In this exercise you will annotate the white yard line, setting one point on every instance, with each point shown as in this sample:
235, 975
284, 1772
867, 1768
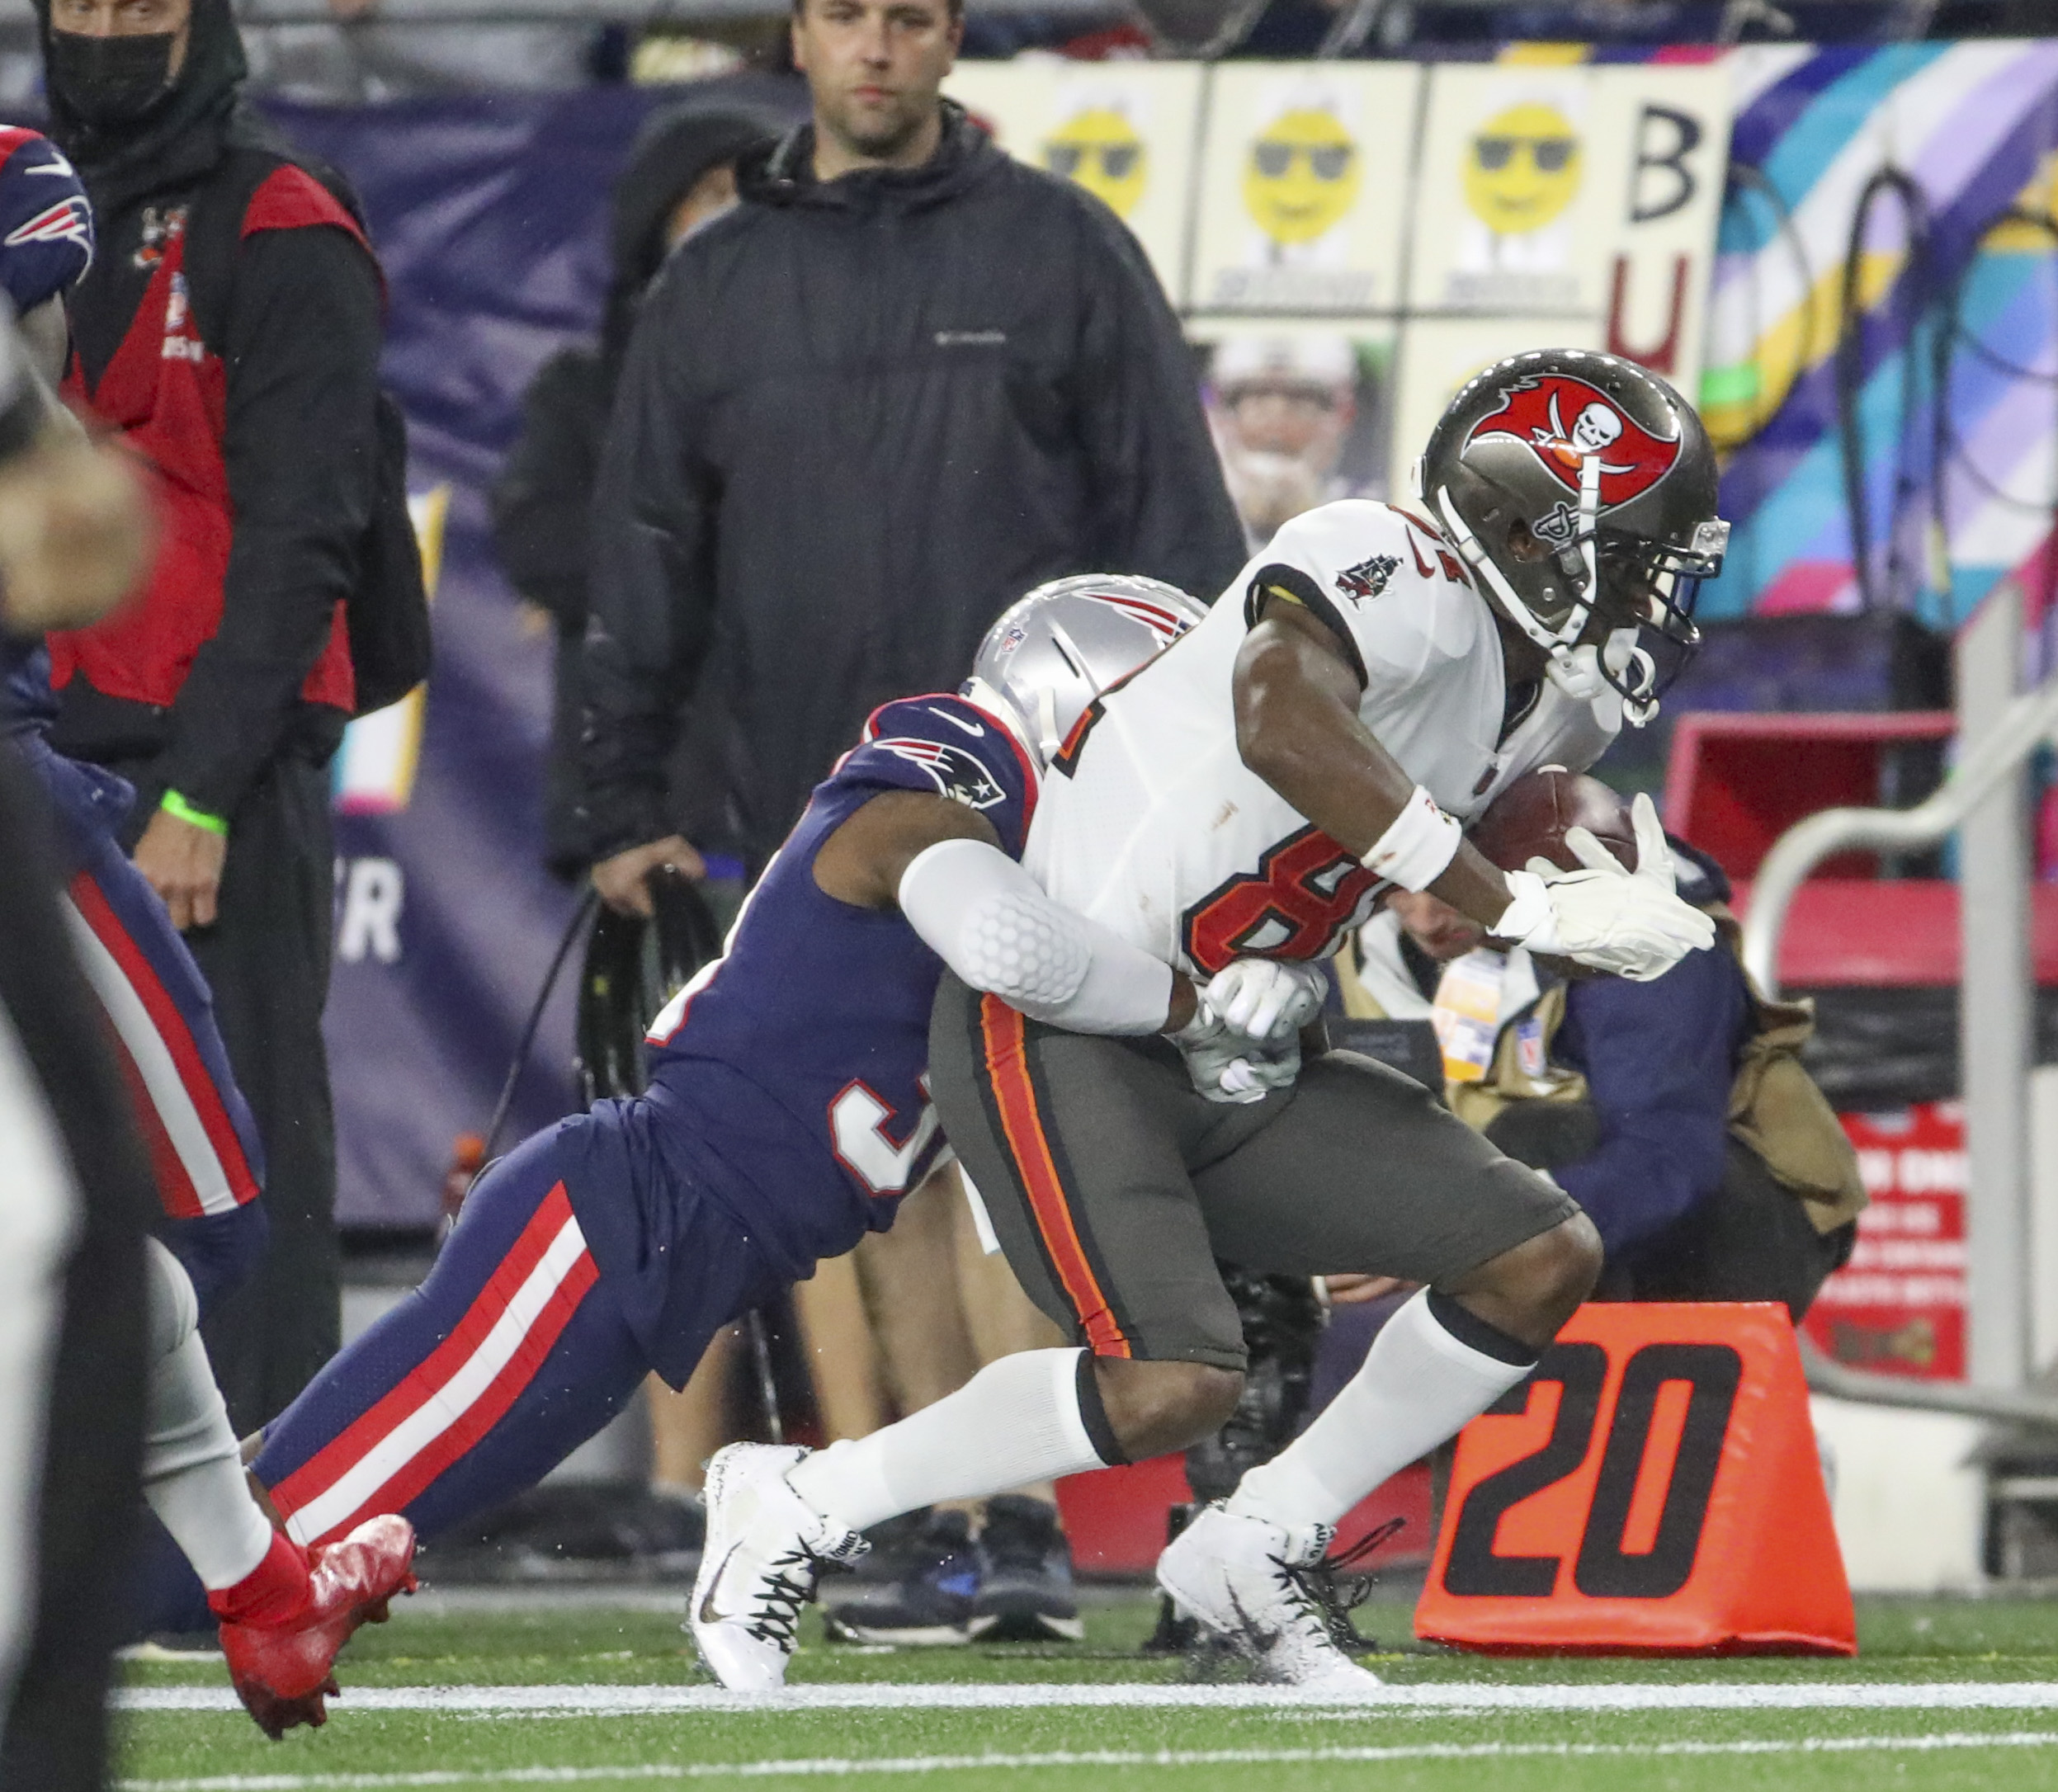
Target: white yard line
1449, 1695
845, 1767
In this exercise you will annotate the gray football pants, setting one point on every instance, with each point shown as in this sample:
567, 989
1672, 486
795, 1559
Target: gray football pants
1113, 1186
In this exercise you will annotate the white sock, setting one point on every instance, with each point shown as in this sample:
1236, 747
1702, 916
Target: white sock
1419, 1383
1017, 1420
192, 1469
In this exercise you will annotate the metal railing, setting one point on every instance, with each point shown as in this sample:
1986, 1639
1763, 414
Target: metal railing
1982, 801
2006, 1406
2029, 721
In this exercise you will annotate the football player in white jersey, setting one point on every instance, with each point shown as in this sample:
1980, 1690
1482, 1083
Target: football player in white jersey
1233, 809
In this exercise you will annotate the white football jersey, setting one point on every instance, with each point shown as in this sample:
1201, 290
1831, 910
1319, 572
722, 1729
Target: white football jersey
1150, 823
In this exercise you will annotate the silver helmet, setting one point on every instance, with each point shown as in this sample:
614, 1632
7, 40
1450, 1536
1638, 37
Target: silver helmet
1054, 651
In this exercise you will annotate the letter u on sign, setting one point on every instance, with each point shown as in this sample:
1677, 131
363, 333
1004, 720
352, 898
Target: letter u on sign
1654, 1488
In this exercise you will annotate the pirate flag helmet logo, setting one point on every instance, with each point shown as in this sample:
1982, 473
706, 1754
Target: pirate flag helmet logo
1581, 489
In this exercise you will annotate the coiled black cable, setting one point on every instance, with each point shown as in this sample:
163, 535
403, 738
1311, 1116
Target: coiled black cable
1948, 448
1744, 178
1918, 287
572, 928
633, 968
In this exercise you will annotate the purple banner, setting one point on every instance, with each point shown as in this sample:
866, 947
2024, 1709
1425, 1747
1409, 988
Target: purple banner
490, 216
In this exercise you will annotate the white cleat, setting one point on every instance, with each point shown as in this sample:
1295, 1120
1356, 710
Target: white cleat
1245, 1580
765, 1549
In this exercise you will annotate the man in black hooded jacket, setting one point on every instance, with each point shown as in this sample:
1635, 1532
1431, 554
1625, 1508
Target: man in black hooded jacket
681, 172
903, 381
230, 331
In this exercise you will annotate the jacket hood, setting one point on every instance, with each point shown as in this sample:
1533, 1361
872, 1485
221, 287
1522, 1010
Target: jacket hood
182, 134
785, 174
674, 149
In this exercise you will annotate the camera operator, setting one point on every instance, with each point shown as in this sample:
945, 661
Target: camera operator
1676, 1112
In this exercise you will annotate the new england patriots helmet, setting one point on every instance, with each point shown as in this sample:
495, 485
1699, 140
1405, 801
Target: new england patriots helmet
1054, 651
1613, 476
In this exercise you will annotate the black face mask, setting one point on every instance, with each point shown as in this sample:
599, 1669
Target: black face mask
110, 82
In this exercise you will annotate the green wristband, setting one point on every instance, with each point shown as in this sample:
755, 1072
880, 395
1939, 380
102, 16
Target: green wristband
177, 807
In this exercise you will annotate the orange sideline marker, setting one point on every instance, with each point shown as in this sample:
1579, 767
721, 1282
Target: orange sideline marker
1653, 1489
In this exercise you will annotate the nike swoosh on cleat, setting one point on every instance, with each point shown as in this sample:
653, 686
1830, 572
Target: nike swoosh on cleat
972, 729
708, 1614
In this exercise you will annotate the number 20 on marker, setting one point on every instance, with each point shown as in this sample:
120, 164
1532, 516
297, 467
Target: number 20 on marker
1653, 1487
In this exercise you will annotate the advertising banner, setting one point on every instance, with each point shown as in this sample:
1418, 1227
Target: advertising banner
1304, 187
1558, 207
1515, 206
1898, 1306
490, 216
1124, 131
1570, 193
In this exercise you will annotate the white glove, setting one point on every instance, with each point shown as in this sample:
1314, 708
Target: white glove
1244, 1038
1263, 999
1227, 1066
1631, 923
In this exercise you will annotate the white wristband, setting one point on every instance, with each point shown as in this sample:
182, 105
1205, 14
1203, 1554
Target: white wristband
1415, 850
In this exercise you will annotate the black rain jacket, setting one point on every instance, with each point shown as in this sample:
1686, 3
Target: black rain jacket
858, 419
542, 498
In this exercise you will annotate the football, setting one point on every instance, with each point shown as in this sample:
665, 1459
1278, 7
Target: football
1529, 819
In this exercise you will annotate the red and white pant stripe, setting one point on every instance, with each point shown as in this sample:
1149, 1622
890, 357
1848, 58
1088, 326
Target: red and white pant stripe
443, 1405
199, 1162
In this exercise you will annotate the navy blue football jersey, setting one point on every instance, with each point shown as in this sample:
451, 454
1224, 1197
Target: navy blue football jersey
46, 225
789, 1081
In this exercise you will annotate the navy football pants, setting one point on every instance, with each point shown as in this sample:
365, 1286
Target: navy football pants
509, 1356
160, 1022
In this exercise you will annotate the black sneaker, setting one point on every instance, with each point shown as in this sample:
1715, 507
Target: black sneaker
916, 1587
1025, 1592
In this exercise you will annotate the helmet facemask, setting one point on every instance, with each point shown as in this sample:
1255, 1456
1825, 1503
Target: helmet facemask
1651, 587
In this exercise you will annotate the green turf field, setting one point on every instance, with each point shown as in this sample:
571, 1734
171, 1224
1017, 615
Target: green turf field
1957, 1694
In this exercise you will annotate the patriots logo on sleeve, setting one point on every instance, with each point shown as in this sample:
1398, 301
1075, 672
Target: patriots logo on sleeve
69, 220
956, 773
46, 222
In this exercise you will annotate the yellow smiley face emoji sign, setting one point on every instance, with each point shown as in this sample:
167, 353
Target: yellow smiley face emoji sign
1100, 149
1303, 176
1522, 168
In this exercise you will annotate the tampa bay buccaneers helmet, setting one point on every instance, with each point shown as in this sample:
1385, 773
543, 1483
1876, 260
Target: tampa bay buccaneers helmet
1612, 474
1056, 650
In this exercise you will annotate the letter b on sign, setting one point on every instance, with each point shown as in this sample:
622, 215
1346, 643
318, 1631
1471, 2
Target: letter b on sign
1653, 1487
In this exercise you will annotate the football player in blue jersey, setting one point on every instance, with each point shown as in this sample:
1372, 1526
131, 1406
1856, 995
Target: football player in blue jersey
284, 1613
787, 1113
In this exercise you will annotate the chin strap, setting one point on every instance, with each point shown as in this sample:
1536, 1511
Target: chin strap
1575, 671
1620, 655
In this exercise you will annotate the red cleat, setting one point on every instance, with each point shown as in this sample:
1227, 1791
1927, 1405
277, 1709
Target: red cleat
282, 1668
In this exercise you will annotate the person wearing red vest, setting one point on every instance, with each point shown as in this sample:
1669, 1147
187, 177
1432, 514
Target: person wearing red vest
229, 333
